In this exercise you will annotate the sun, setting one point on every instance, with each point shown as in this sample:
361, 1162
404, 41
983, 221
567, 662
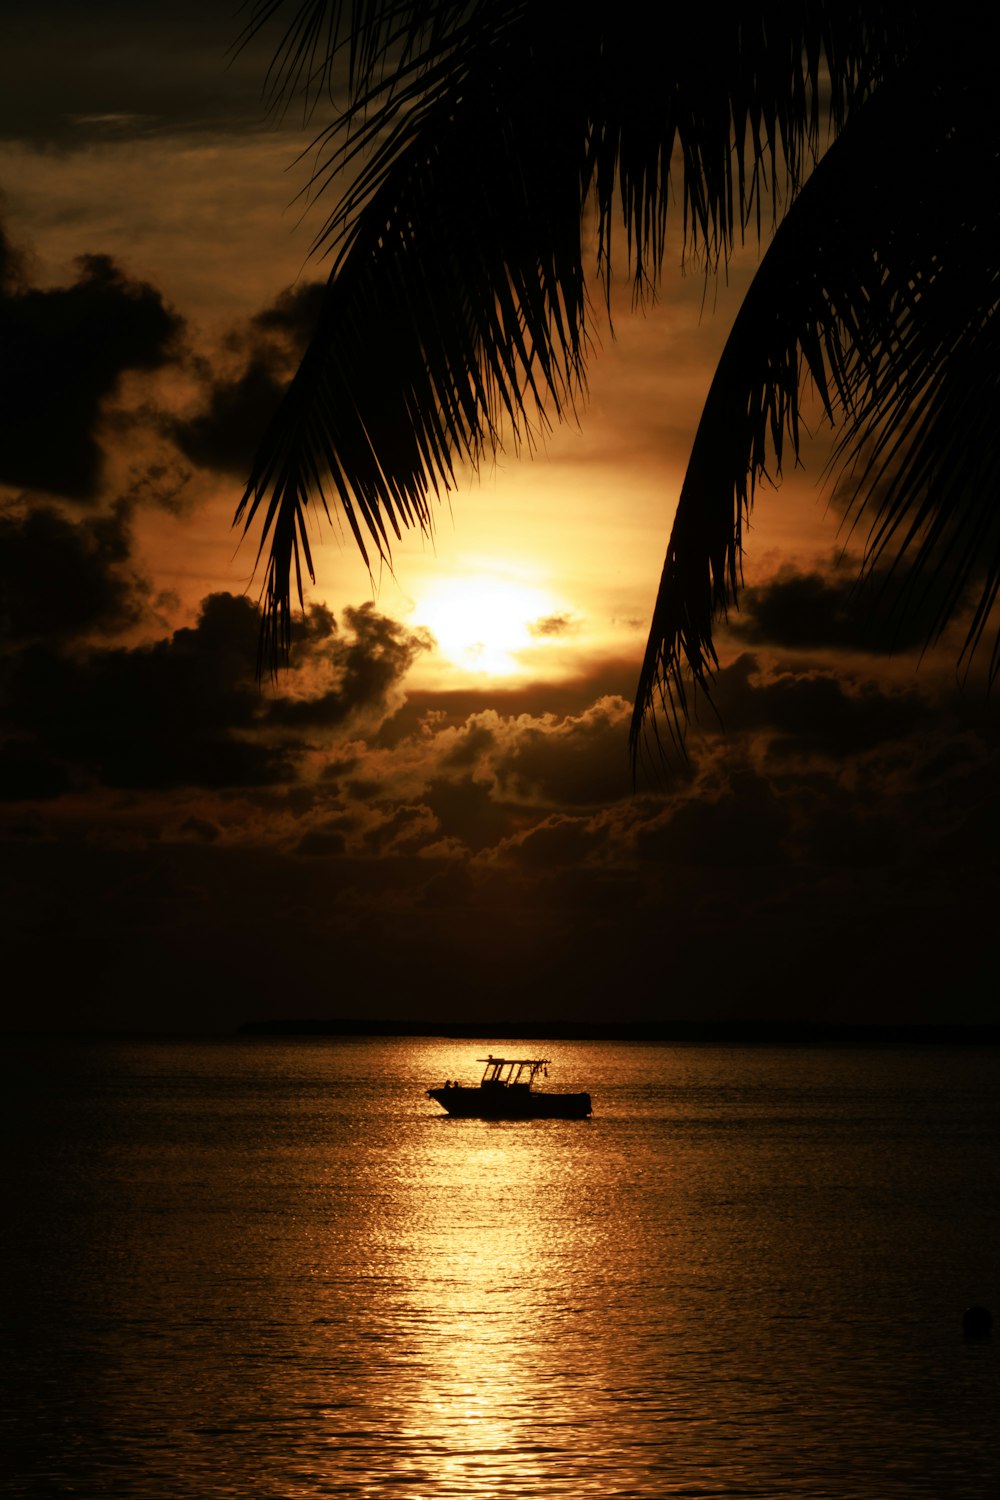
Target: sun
485, 625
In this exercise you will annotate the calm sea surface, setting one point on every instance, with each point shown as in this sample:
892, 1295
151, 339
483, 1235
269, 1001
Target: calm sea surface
277, 1271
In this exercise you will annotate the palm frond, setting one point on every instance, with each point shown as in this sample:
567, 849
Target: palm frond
880, 287
457, 306
371, 40
457, 303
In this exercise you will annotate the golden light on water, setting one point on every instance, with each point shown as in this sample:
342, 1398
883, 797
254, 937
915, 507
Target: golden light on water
475, 1293
350, 1294
500, 1378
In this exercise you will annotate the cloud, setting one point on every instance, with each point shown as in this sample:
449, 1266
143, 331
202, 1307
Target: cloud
29, 774
467, 811
742, 825
551, 626
365, 668
472, 852
767, 788
117, 124
556, 840
579, 760
60, 580
237, 408
820, 611
186, 710
223, 434
535, 699
293, 315
814, 710
321, 843
132, 68
476, 739
200, 830
11, 265
65, 350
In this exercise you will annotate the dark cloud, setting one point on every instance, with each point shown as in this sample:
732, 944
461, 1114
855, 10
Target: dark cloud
64, 352
202, 830
11, 265
222, 436
187, 710
551, 625
973, 841
816, 611
237, 408
404, 830
582, 760
321, 844
29, 774
367, 668
556, 841
60, 579
362, 789
293, 314
847, 874
840, 834
189, 943
119, 69
474, 741
814, 711
933, 564
467, 811
155, 717
536, 699
742, 826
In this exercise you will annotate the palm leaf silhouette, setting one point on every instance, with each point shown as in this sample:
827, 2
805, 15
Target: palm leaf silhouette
880, 285
493, 153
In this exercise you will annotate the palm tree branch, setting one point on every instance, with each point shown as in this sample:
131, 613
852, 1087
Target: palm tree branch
457, 306
880, 288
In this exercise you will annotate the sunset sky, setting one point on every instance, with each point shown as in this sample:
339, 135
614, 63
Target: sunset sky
431, 814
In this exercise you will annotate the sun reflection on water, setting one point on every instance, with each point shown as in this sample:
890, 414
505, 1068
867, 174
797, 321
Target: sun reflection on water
289, 1276
495, 1379
279, 1272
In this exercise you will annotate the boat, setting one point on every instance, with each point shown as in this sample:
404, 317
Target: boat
505, 1092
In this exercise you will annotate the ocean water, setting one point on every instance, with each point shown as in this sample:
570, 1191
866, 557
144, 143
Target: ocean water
275, 1271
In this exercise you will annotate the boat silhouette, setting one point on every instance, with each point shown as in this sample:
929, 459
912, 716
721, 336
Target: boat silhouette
506, 1092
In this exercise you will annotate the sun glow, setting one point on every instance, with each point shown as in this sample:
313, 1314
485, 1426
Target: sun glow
491, 625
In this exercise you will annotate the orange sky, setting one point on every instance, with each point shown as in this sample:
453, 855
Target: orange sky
402, 827
580, 530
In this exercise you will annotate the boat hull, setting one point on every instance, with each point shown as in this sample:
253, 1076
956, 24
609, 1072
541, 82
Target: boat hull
510, 1104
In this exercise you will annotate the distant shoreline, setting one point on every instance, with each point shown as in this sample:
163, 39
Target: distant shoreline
742, 1033
677, 1033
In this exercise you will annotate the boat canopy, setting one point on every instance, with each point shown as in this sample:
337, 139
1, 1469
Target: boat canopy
508, 1071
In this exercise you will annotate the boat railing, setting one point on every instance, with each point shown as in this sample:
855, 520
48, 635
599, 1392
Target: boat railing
509, 1072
